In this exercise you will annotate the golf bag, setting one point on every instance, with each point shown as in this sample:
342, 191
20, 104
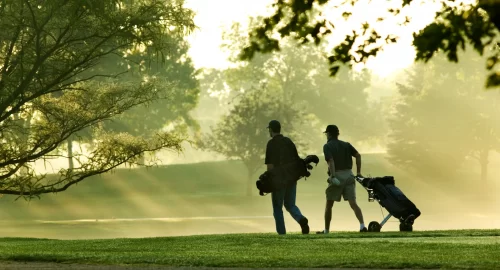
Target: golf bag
384, 190
281, 176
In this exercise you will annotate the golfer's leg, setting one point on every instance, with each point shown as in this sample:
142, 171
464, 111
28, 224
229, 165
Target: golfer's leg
350, 195
328, 215
333, 194
277, 199
290, 206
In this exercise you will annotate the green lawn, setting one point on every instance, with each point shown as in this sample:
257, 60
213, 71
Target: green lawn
472, 249
209, 198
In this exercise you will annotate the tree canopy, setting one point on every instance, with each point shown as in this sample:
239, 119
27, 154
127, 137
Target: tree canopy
52, 85
300, 75
455, 26
145, 120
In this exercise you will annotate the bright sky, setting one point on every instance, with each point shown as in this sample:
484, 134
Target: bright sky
214, 15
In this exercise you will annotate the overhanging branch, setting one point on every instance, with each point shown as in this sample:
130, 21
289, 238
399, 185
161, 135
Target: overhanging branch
71, 177
492, 7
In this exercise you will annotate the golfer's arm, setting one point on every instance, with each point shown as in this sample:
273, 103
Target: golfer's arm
268, 157
331, 167
358, 163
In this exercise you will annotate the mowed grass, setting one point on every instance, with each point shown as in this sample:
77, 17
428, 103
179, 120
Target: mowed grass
467, 249
218, 189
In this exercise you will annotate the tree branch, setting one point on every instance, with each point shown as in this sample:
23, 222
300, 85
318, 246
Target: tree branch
71, 177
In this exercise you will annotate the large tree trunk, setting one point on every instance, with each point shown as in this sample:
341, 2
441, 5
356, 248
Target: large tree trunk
71, 165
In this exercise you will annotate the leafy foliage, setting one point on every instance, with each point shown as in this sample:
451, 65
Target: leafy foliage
290, 86
51, 86
299, 74
454, 26
145, 120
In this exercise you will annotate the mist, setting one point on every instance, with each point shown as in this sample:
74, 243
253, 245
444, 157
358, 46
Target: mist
202, 192
433, 126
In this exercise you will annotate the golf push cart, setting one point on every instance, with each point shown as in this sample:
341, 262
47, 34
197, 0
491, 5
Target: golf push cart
391, 198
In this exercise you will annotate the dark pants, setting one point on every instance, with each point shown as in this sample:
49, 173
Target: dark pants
285, 197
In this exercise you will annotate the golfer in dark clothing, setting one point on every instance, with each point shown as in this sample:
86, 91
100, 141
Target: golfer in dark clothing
341, 182
281, 150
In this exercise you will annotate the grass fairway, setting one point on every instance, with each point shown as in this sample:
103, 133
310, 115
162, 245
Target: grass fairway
472, 249
124, 209
210, 198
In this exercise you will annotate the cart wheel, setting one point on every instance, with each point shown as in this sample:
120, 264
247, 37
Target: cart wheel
374, 227
405, 227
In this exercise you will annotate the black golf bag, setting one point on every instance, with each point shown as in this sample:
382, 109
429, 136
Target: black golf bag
281, 176
384, 190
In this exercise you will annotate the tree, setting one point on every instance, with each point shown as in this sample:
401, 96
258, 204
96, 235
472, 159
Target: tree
145, 120
51, 86
455, 26
435, 131
424, 130
300, 75
242, 133
289, 85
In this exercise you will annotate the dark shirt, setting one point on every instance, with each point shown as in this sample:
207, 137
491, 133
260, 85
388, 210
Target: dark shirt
280, 150
341, 152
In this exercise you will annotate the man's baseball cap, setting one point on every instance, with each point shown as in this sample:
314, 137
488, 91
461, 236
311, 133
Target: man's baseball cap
274, 125
332, 129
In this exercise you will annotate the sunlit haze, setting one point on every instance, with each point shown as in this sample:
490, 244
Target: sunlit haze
433, 127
